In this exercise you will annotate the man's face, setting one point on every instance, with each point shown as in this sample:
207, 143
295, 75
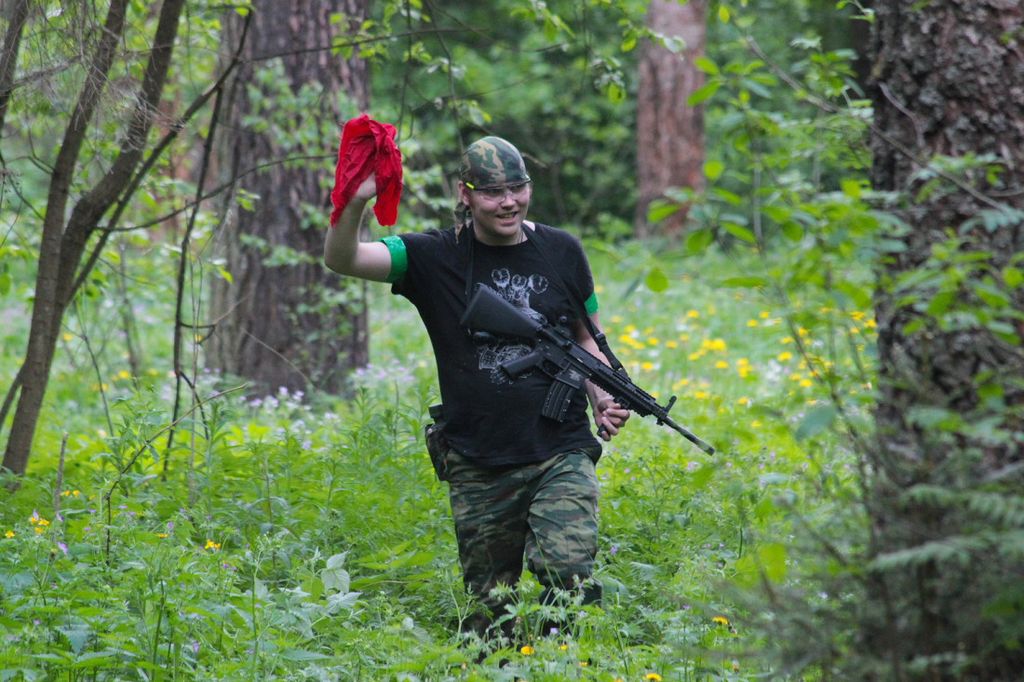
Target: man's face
498, 211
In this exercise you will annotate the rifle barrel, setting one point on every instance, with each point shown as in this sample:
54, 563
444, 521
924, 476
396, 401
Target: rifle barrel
689, 435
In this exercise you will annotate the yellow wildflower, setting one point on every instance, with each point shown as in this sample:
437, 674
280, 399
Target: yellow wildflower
743, 401
647, 366
124, 374
671, 344
720, 620
696, 355
714, 344
806, 383
210, 544
787, 340
701, 395
653, 677
68, 337
653, 341
764, 315
722, 364
527, 650
784, 356
857, 315
9, 534
756, 424
752, 323
692, 314
161, 535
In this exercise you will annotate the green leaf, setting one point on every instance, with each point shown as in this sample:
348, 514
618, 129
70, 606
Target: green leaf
94, 659
703, 93
713, 169
793, 231
740, 232
851, 188
773, 559
706, 65
1013, 277
659, 209
302, 655
699, 240
657, 280
748, 282
816, 421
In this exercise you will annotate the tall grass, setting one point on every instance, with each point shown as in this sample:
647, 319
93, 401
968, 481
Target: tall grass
305, 537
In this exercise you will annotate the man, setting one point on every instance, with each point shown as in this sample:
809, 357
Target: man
519, 482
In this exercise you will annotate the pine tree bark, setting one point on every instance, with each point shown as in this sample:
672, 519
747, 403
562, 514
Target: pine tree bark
948, 81
289, 325
670, 133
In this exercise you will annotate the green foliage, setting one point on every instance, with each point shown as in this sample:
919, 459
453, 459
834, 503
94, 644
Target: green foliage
551, 76
303, 536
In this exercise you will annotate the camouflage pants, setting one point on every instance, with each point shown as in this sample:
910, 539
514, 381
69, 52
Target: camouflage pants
547, 511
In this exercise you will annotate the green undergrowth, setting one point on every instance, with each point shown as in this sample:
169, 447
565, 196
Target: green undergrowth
305, 537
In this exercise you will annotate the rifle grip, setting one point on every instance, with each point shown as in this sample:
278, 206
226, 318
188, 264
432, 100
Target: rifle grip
515, 368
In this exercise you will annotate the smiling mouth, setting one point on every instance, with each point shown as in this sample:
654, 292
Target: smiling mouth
507, 216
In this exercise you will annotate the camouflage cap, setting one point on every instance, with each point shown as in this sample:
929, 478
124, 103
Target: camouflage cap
492, 161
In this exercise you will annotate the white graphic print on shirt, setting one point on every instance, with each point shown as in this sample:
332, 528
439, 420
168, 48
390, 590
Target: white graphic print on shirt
515, 289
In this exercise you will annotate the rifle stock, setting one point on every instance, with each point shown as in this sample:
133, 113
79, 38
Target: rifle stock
560, 357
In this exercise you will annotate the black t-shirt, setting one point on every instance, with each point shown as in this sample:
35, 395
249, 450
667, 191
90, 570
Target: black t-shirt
491, 419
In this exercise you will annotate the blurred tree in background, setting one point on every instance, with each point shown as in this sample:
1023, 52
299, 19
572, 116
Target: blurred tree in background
281, 318
669, 130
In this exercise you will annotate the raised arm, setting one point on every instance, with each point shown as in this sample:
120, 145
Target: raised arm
345, 253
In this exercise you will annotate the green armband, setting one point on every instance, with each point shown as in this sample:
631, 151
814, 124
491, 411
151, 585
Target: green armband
591, 304
399, 257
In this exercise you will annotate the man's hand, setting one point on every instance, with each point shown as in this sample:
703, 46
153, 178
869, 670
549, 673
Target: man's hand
609, 417
367, 189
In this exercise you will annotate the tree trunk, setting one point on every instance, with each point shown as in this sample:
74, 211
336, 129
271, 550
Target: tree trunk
285, 321
670, 133
948, 82
63, 241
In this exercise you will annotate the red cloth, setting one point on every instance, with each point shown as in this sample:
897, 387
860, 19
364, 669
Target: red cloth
368, 146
